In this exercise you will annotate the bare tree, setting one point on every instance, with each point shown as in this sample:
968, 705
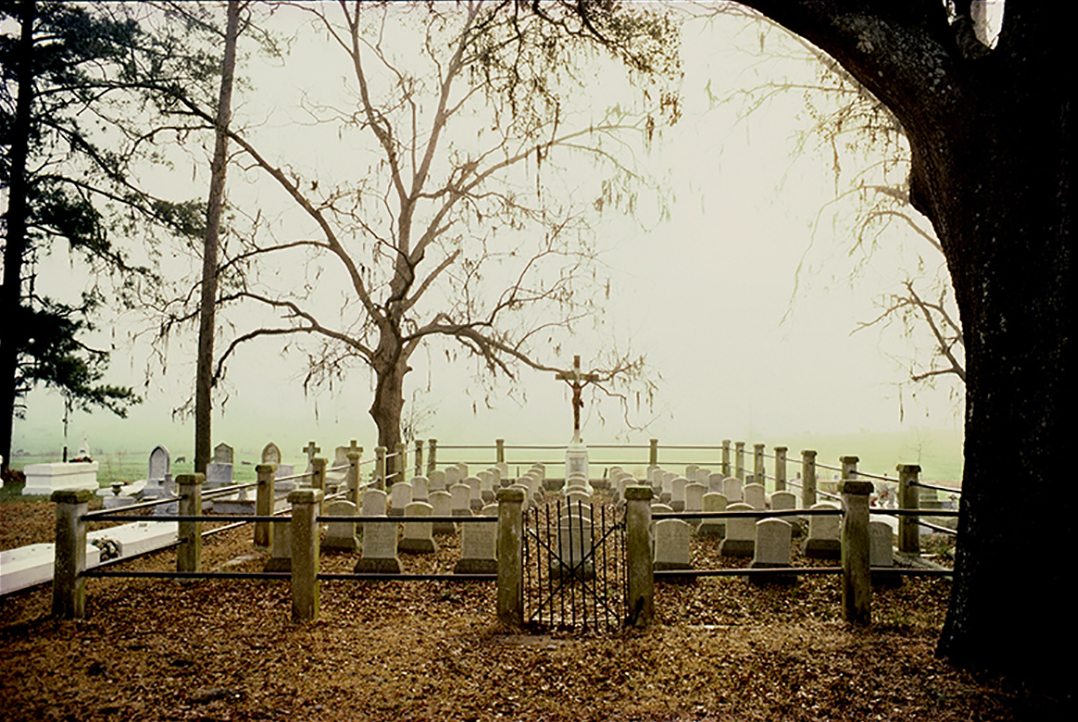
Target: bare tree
849, 126
455, 230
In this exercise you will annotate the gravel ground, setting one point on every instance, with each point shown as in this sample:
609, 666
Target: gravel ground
722, 650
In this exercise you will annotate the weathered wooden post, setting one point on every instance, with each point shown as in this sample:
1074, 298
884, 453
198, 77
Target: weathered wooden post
499, 445
780, 468
353, 476
726, 457
432, 462
739, 460
305, 553
511, 557
318, 479
68, 584
758, 474
653, 454
856, 575
189, 553
909, 531
808, 478
849, 467
401, 465
638, 553
380, 468
418, 457
265, 496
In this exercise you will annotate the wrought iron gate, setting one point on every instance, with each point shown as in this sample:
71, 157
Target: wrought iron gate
574, 566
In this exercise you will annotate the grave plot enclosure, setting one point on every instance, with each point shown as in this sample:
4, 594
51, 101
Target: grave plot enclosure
575, 566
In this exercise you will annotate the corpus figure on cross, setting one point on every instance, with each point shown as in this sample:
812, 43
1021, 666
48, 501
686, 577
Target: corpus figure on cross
578, 381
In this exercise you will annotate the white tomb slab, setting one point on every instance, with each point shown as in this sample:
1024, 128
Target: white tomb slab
43, 479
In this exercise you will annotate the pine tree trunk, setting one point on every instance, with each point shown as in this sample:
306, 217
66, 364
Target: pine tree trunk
15, 244
208, 307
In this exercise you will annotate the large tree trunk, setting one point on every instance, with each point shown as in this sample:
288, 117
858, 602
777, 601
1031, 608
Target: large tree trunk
208, 308
388, 402
15, 243
990, 138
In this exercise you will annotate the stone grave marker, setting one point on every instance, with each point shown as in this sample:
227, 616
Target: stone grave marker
755, 496
716, 483
672, 545
418, 535
740, 538
420, 488
341, 534
773, 539
379, 539
732, 490
824, 535
461, 496
442, 504
713, 527
400, 497
478, 549
677, 493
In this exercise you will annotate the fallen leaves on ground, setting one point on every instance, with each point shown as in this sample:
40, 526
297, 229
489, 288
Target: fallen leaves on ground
722, 650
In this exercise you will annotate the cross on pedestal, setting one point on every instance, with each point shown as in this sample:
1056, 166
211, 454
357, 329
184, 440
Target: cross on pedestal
310, 450
578, 381
353, 448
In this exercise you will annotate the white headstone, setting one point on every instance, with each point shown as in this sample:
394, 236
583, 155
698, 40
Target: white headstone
418, 535
740, 538
672, 538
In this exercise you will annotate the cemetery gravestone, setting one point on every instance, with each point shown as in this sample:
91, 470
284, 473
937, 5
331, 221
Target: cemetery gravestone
773, 539
740, 538
824, 536
418, 535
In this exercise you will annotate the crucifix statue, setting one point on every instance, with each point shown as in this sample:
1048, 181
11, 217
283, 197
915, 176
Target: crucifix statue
578, 381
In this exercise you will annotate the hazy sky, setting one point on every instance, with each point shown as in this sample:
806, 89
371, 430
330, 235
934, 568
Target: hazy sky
742, 299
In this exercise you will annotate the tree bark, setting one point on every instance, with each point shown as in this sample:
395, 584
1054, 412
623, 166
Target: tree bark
388, 403
208, 307
15, 244
989, 133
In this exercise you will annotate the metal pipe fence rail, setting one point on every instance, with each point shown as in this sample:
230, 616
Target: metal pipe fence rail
70, 571
309, 505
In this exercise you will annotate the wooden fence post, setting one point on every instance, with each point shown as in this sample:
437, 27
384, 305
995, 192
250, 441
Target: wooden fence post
318, 479
511, 557
808, 478
739, 460
759, 476
909, 531
353, 476
856, 575
264, 503
638, 551
653, 454
68, 584
418, 457
499, 451
432, 462
401, 465
780, 468
305, 553
380, 467
849, 467
726, 457
189, 553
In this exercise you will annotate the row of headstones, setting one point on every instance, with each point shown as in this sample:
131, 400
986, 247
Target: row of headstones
420, 497
683, 493
767, 541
